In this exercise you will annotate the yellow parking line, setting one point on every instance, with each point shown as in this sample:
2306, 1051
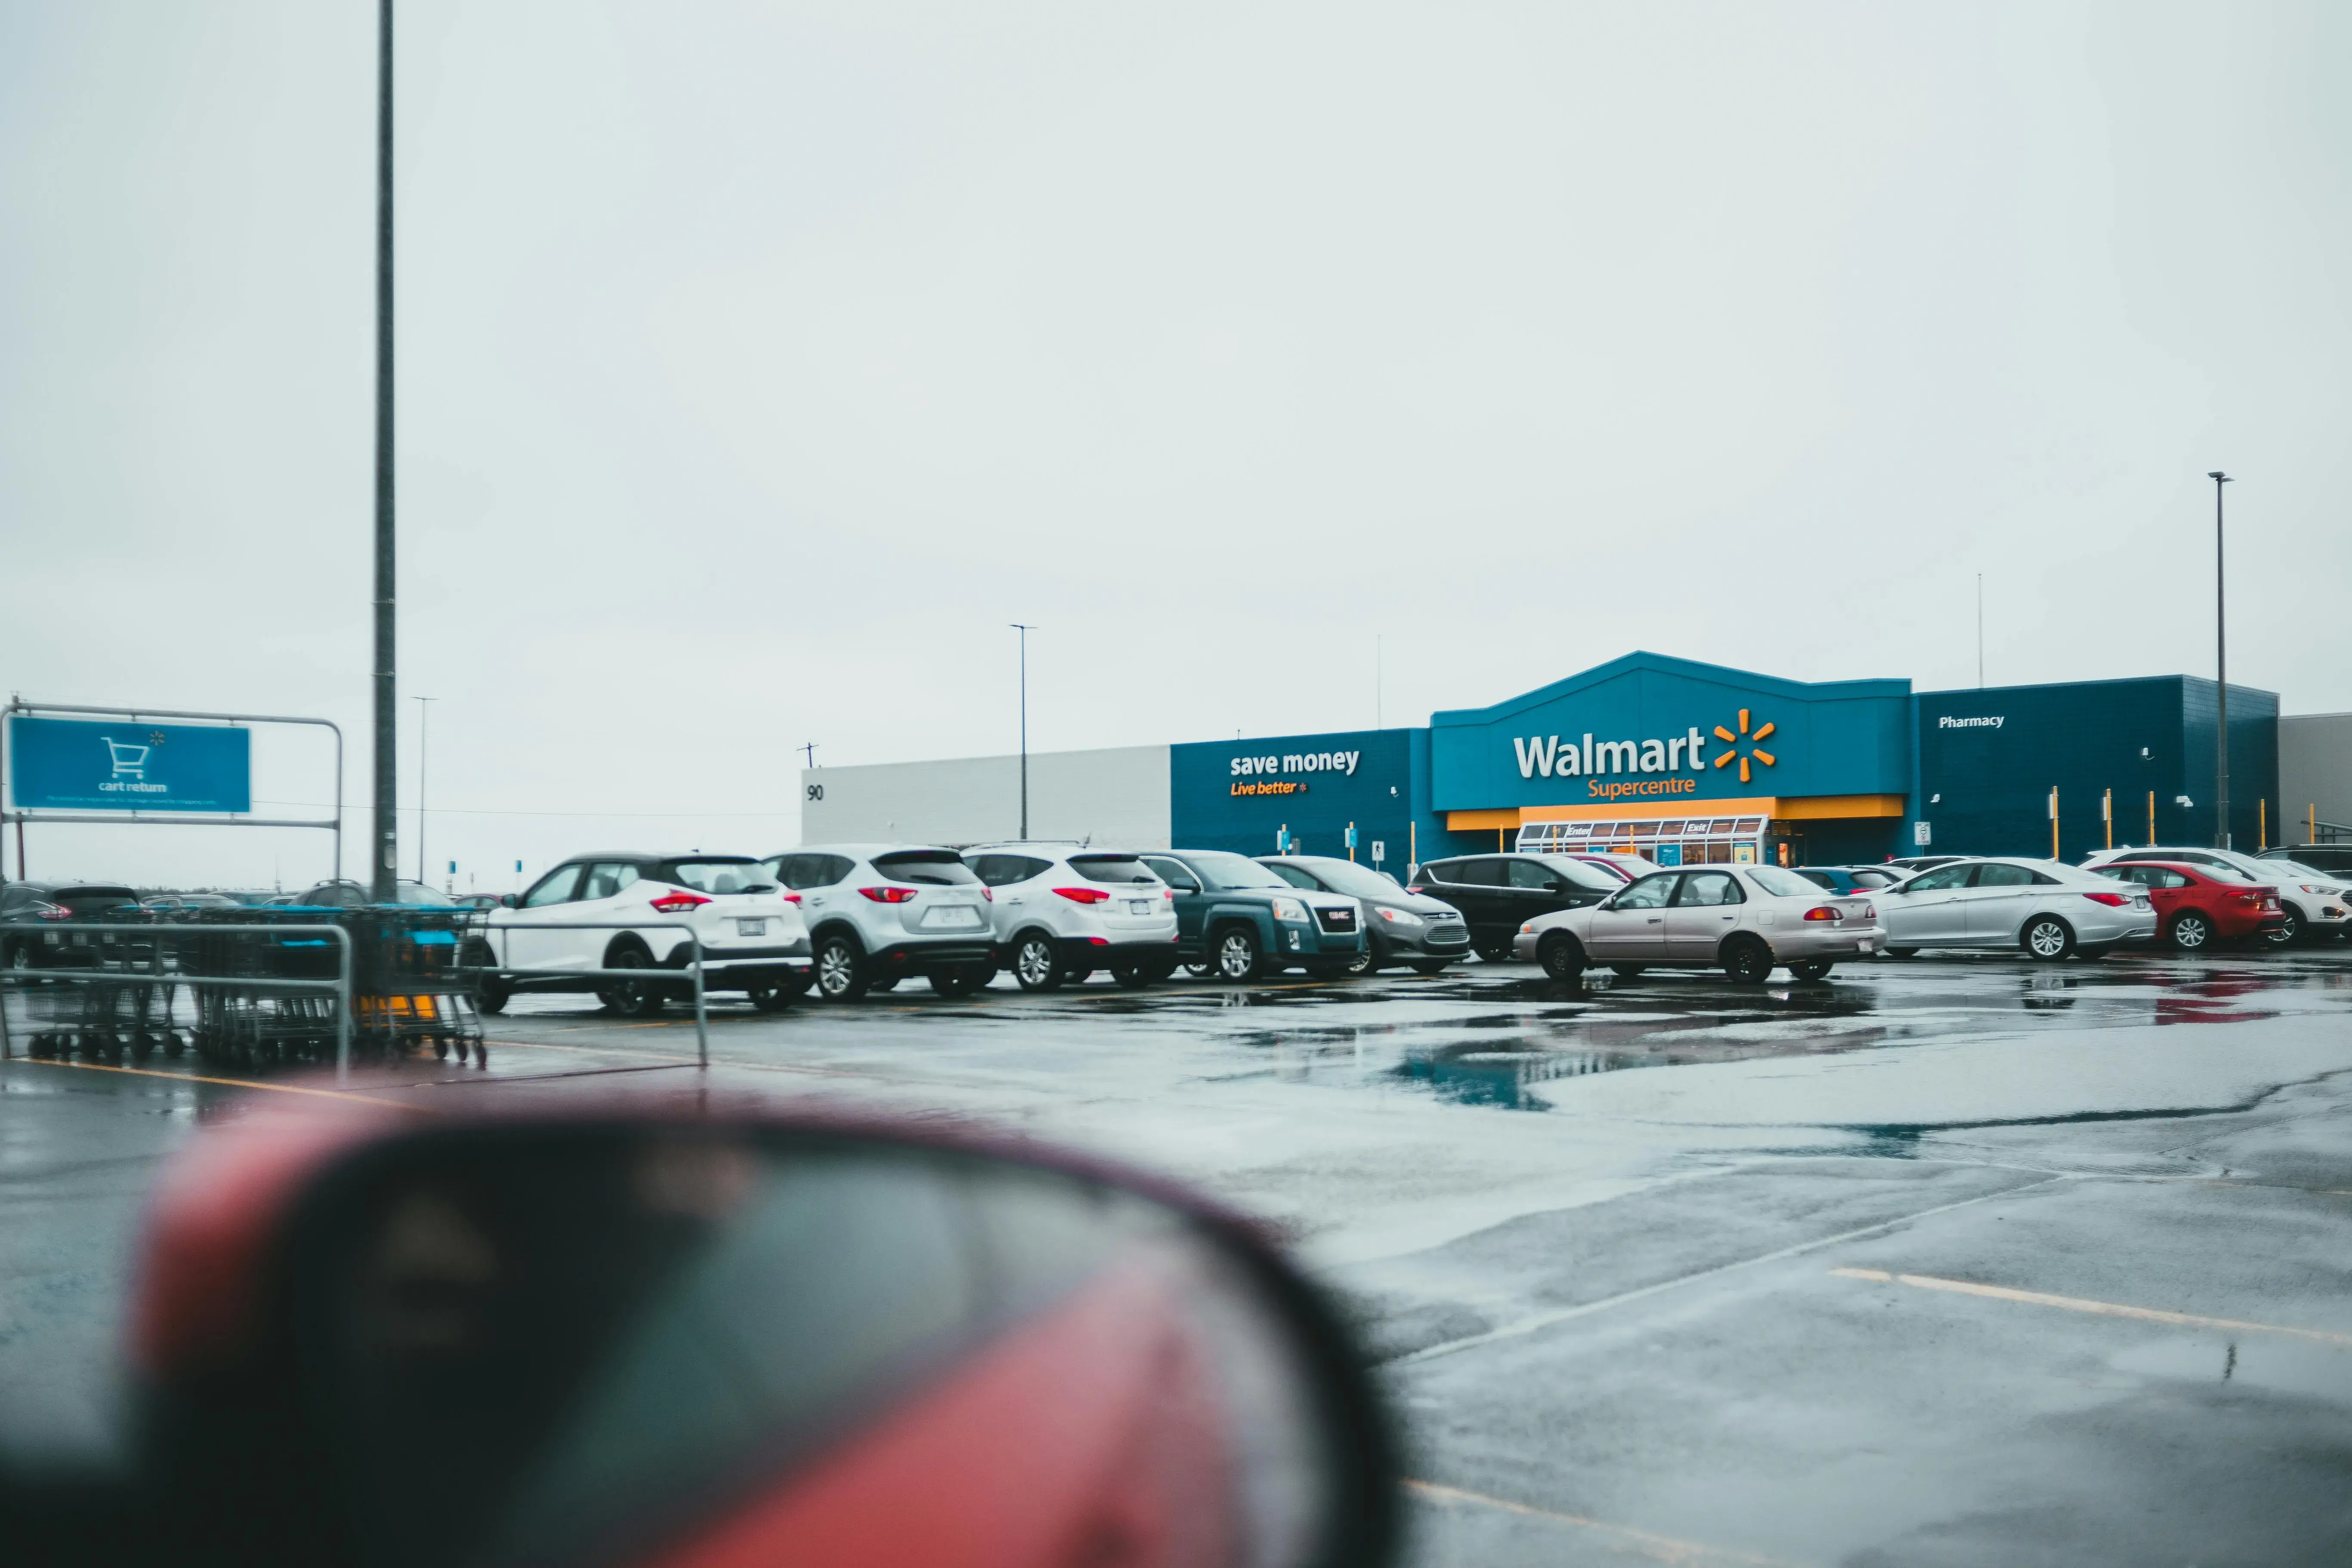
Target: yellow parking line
229, 1082
1649, 1543
2079, 1304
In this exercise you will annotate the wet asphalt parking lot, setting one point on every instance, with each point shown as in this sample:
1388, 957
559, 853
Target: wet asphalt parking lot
1957, 1260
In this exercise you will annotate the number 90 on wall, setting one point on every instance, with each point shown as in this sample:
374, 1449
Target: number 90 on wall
816, 792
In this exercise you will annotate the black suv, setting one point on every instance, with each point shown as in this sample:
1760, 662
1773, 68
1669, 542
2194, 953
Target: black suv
37, 920
1498, 893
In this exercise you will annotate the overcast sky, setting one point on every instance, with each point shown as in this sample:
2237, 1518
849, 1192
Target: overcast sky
760, 362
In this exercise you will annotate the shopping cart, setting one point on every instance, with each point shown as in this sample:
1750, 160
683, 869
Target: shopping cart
129, 761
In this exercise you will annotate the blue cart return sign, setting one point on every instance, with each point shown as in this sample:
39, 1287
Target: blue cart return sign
78, 765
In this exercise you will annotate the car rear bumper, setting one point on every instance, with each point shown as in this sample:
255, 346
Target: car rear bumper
922, 956
1102, 952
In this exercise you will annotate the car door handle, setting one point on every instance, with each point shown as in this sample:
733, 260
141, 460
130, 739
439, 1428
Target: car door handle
1655, 920
1013, 899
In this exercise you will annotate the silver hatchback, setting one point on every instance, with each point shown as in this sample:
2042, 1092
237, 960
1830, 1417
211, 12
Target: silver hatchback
1743, 920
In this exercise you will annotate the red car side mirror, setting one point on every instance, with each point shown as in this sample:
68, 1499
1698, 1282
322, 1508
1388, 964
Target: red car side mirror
626, 1337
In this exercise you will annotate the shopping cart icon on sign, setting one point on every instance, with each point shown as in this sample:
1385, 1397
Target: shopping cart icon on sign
129, 761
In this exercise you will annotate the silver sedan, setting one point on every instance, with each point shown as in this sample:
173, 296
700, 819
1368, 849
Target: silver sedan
1743, 920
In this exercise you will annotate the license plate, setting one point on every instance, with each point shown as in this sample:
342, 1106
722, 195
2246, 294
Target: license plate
750, 928
2139, 903
1139, 906
953, 915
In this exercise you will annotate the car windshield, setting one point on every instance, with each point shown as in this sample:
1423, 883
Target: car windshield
2297, 869
1787, 884
931, 868
1591, 878
417, 894
1111, 868
729, 875
1220, 869
2226, 873
1356, 880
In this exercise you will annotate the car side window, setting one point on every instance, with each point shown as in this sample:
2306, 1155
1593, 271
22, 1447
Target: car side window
2163, 878
1994, 874
1534, 874
990, 870
1028, 866
555, 887
1942, 879
1709, 889
829, 869
1486, 871
15, 898
606, 878
1174, 873
1650, 893
792, 870
1441, 871
1296, 876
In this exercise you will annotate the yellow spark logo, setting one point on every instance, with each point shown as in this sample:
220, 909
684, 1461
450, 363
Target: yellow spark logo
1747, 739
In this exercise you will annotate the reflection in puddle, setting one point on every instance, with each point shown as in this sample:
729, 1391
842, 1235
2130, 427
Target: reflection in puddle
2285, 1366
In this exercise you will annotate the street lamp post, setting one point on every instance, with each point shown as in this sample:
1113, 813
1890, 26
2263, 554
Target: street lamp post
424, 714
1025, 631
2221, 676
384, 864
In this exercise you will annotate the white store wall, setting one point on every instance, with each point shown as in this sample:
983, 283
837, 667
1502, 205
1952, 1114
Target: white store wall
1118, 795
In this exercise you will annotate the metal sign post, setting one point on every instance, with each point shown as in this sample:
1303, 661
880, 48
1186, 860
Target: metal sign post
55, 769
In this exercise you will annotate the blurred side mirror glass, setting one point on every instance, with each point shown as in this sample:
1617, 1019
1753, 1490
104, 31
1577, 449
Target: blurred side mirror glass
511, 901
566, 1343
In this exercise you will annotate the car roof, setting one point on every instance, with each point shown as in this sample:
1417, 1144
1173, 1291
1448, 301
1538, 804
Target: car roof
860, 851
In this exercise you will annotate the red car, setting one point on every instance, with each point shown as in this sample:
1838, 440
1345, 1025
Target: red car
2196, 906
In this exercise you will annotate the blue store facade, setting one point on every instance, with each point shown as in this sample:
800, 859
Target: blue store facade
1686, 763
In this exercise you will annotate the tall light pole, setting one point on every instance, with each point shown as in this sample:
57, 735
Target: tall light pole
424, 714
385, 876
1025, 632
2221, 676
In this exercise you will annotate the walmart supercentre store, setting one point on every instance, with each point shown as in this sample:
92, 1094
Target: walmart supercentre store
1682, 762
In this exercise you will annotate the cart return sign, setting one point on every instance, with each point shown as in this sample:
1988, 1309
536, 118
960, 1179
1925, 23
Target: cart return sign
76, 765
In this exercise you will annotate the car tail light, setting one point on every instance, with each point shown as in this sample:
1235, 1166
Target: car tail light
988, 895
1824, 912
889, 895
1168, 893
52, 912
2112, 901
1098, 942
678, 901
1867, 912
790, 897
1084, 895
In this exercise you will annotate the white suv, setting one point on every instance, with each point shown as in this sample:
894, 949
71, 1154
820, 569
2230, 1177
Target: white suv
753, 939
879, 912
1064, 912
2315, 902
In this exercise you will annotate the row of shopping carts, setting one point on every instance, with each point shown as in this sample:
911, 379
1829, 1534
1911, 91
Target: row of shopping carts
248, 987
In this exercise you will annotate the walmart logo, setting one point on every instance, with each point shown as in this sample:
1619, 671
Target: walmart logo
1747, 739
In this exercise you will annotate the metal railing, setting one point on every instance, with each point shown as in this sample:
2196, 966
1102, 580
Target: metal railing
25, 980
692, 970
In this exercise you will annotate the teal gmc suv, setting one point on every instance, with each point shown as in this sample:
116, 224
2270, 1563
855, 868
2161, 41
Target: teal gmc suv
1237, 921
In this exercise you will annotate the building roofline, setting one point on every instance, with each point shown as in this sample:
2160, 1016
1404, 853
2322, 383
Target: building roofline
1626, 664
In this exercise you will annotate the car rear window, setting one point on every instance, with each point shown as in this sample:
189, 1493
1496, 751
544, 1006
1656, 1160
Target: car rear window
716, 875
93, 901
1787, 884
942, 868
1111, 868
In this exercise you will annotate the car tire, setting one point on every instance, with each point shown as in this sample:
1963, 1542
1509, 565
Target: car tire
2190, 931
1036, 966
630, 998
1200, 971
1627, 971
1431, 965
1359, 965
1493, 952
2046, 939
951, 983
1237, 956
840, 969
774, 999
1902, 952
1746, 960
1812, 969
2290, 933
1132, 977
491, 994
1562, 957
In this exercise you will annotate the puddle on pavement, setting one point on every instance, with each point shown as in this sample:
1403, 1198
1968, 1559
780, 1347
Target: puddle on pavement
2274, 1365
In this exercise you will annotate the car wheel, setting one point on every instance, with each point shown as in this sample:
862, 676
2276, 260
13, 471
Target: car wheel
1901, 951
1200, 971
1237, 956
1746, 961
1132, 977
20, 957
2290, 933
1493, 952
2046, 939
1627, 971
491, 994
1811, 968
840, 968
952, 983
772, 998
630, 998
1562, 957
1359, 965
1430, 965
1035, 964
2191, 933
